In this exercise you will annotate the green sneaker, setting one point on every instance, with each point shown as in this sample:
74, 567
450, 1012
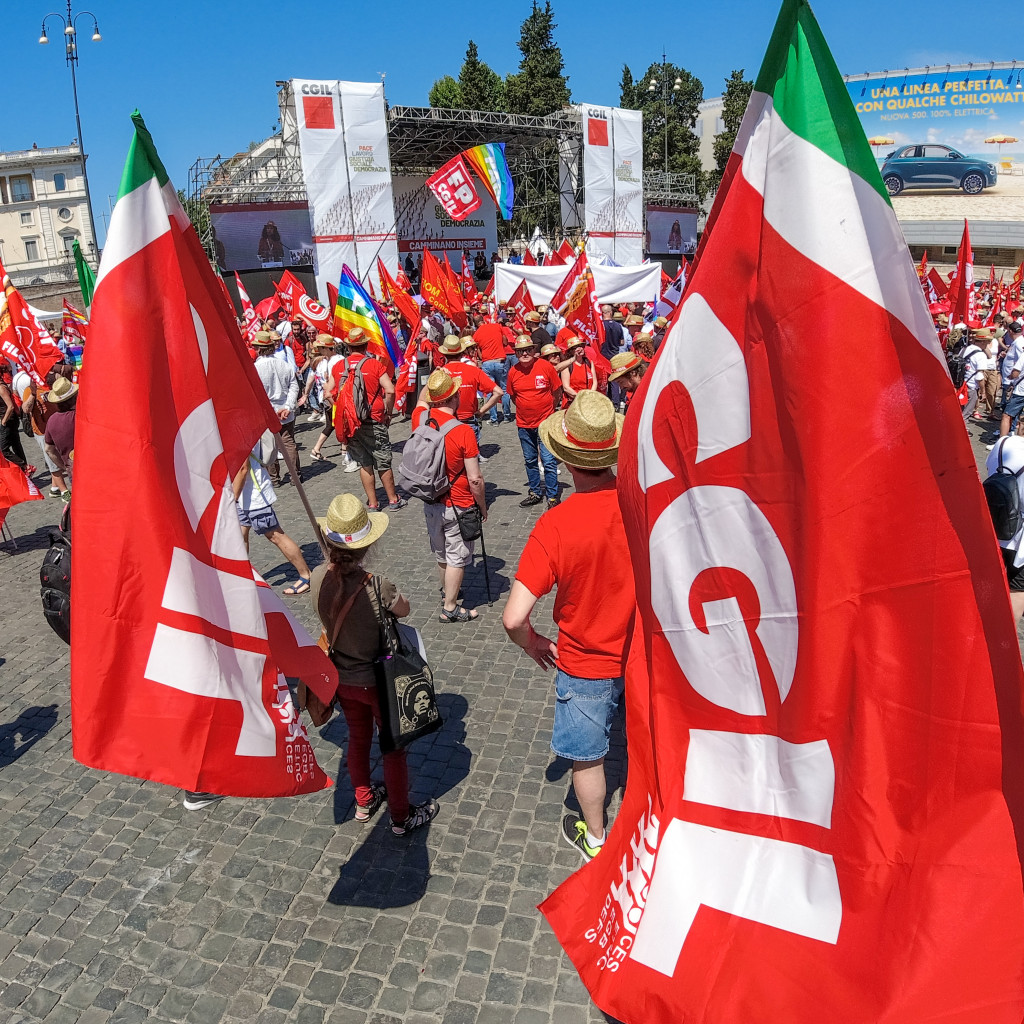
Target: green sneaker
574, 832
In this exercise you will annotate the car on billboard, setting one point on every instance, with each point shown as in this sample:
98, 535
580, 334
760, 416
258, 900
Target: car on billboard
929, 165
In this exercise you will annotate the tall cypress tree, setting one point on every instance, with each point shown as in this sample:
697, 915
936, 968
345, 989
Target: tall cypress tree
481, 86
539, 87
734, 103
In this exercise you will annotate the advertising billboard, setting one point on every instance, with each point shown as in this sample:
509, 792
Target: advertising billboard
950, 106
254, 236
671, 230
423, 222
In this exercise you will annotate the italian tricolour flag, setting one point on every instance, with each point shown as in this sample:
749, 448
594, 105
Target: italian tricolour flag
824, 807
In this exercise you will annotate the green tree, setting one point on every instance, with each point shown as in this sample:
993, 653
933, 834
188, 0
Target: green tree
673, 118
734, 103
539, 87
445, 93
481, 86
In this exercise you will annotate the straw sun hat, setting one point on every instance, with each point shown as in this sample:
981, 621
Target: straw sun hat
571, 343
356, 337
551, 349
441, 385
349, 525
452, 345
586, 434
524, 341
62, 391
623, 363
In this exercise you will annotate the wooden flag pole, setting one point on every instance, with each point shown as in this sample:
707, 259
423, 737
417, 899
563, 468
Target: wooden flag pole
293, 472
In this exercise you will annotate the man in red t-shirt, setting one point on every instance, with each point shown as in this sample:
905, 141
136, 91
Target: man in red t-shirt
474, 381
581, 549
370, 445
466, 482
492, 340
535, 388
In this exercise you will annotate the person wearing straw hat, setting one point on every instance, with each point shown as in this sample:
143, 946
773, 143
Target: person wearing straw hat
660, 329
59, 438
282, 387
345, 599
474, 382
320, 380
443, 393
580, 548
534, 387
628, 369
580, 374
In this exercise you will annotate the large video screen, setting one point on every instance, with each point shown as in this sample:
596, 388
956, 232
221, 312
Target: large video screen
671, 230
255, 236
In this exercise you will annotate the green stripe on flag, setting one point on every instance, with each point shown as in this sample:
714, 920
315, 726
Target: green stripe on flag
808, 93
143, 161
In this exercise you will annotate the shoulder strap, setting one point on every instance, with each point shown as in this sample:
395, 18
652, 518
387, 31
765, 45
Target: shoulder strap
346, 607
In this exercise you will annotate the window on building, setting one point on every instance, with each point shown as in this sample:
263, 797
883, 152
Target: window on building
59, 182
3, 190
719, 125
69, 241
21, 188
31, 249
698, 128
64, 214
26, 218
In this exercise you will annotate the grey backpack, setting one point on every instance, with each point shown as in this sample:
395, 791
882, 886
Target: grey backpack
423, 472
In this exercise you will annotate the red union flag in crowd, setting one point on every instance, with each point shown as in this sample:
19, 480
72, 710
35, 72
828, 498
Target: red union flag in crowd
178, 648
250, 320
823, 812
454, 189
23, 340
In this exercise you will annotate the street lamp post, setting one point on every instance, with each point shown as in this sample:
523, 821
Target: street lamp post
666, 95
71, 57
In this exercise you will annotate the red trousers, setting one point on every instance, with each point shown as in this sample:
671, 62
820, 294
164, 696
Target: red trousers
360, 708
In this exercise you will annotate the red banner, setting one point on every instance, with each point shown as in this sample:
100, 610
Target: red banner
15, 487
396, 294
454, 189
179, 650
23, 340
437, 289
520, 303
583, 315
251, 323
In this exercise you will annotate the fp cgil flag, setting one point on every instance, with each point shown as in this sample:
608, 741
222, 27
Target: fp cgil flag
453, 186
823, 806
179, 649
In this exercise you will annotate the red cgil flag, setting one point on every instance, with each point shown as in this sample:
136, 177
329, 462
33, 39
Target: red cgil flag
577, 271
252, 323
583, 315
23, 340
565, 253
289, 288
824, 811
934, 278
961, 289
469, 292
440, 291
15, 487
520, 303
179, 649
395, 293
528, 259
922, 268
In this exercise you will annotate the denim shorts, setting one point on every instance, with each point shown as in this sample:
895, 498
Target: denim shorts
584, 710
263, 521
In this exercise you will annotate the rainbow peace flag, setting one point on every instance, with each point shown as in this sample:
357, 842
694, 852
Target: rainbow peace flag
492, 169
356, 309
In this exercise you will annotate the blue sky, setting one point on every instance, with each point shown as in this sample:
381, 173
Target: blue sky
203, 72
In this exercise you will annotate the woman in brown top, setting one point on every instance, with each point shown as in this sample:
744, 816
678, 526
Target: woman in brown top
345, 597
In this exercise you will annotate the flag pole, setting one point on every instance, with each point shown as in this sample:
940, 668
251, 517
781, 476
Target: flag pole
293, 472
373, 262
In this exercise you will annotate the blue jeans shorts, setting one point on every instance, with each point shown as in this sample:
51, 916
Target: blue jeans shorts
584, 710
263, 521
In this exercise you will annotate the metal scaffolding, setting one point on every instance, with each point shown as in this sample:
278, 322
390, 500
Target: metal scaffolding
548, 187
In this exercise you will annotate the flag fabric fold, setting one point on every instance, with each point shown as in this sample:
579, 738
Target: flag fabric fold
179, 649
825, 807
249, 318
491, 167
86, 277
354, 308
395, 293
23, 339
437, 288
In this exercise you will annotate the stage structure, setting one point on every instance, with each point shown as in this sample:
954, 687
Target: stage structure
545, 157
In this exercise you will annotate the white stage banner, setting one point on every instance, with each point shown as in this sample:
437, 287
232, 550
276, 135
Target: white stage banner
424, 224
613, 284
613, 182
346, 167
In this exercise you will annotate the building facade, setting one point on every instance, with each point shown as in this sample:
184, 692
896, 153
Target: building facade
43, 209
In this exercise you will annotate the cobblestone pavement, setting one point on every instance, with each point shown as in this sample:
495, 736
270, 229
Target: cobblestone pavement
116, 904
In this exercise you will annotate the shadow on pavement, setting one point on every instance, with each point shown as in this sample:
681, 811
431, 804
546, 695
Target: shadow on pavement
389, 871
31, 726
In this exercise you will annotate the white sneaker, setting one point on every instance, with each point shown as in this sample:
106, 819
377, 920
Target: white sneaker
351, 466
315, 418
484, 458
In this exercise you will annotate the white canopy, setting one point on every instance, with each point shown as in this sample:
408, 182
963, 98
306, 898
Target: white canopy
613, 284
41, 314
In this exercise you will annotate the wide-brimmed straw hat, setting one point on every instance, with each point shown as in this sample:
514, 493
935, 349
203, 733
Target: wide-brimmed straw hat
659, 322
586, 434
349, 525
524, 341
266, 339
357, 337
532, 317
623, 363
551, 349
441, 385
451, 346
574, 342
62, 391
634, 321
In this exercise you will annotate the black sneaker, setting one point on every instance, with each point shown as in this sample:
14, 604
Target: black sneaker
420, 815
530, 499
574, 832
552, 502
197, 801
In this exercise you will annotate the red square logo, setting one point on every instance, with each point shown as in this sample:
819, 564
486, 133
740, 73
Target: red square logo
319, 111
597, 132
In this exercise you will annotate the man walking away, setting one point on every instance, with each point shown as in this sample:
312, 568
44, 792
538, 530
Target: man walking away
535, 388
282, 388
580, 548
